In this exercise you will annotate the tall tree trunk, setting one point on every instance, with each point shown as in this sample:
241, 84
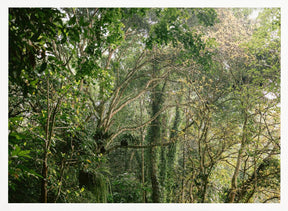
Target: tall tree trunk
154, 139
143, 172
49, 130
184, 162
163, 172
171, 155
142, 153
44, 192
156, 194
183, 174
155, 135
232, 194
163, 159
204, 188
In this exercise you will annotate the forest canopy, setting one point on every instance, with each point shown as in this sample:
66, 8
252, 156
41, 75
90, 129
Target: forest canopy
144, 105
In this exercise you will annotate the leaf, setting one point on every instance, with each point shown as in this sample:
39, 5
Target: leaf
24, 153
33, 173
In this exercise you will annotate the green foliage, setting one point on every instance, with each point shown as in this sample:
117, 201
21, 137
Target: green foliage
126, 188
130, 105
30, 37
206, 16
174, 26
265, 48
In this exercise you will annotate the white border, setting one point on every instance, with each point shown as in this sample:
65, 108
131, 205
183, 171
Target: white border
141, 3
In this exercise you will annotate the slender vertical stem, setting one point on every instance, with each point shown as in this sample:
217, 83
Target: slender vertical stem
142, 151
184, 161
44, 192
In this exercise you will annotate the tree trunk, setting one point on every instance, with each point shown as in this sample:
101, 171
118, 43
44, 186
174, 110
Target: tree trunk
156, 194
49, 130
44, 183
155, 135
163, 172
143, 173
183, 173
142, 153
233, 189
171, 155
204, 188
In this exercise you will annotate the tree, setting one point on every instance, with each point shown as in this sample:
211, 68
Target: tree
144, 105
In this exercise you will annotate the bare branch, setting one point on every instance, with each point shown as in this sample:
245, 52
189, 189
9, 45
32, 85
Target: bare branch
172, 141
274, 197
121, 130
